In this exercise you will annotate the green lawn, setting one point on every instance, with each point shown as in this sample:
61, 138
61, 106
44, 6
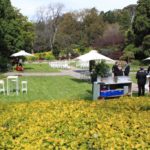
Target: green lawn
40, 67
49, 88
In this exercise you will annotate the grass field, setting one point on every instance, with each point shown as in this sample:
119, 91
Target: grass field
41, 88
40, 67
79, 124
58, 113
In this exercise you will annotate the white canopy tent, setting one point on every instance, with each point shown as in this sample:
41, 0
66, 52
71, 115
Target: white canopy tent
21, 53
93, 55
147, 59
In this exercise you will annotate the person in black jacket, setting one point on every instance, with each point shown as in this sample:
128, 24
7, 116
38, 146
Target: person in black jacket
127, 69
141, 81
148, 70
115, 69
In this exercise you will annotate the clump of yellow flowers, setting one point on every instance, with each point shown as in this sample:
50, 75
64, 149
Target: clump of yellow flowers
70, 125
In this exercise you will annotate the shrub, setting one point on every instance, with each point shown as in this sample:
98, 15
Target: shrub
41, 56
115, 124
102, 69
3, 64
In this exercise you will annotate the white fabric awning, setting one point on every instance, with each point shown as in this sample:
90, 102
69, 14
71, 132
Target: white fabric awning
93, 55
21, 53
147, 58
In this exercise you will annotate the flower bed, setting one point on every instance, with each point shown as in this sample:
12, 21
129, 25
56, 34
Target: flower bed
114, 124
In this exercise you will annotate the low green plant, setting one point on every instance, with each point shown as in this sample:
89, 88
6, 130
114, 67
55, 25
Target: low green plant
76, 124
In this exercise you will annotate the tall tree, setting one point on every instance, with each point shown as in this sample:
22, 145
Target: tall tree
14, 32
47, 24
112, 37
93, 25
68, 32
141, 24
14, 29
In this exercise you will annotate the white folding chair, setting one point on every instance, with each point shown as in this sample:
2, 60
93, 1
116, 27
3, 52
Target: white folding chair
24, 86
2, 86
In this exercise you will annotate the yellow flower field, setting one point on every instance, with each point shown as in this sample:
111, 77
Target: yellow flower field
112, 124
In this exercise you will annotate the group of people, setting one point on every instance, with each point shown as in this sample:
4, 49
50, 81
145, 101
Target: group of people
118, 70
18, 63
141, 75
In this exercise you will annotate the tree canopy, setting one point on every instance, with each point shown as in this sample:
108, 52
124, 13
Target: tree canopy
15, 30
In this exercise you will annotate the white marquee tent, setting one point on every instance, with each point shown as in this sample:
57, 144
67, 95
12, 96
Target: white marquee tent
21, 53
93, 55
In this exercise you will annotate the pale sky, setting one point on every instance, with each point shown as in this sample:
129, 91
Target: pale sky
29, 7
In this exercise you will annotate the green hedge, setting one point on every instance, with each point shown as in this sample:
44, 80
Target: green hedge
41, 56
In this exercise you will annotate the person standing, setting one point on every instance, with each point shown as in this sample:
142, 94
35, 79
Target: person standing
141, 81
120, 71
148, 72
115, 69
20, 62
148, 69
127, 69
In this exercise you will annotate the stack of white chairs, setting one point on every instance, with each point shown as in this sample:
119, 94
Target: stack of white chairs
59, 64
83, 65
85, 75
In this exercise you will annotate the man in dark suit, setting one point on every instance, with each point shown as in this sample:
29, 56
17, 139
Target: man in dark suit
141, 81
148, 70
127, 69
115, 69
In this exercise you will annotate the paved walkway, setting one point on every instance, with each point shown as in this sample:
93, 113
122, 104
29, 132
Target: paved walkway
72, 73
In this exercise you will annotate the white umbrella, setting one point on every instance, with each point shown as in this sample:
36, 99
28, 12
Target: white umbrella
147, 58
93, 55
21, 53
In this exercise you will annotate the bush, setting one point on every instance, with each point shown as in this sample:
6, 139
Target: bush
102, 69
41, 56
3, 64
87, 125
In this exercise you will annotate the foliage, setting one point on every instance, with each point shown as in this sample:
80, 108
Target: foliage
112, 36
141, 24
127, 55
146, 45
130, 37
115, 124
121, 16
41, 56
3, 64
102, 69
15, 30
129, 52
48, 20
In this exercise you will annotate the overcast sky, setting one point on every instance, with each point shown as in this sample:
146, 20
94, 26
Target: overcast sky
29, 7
